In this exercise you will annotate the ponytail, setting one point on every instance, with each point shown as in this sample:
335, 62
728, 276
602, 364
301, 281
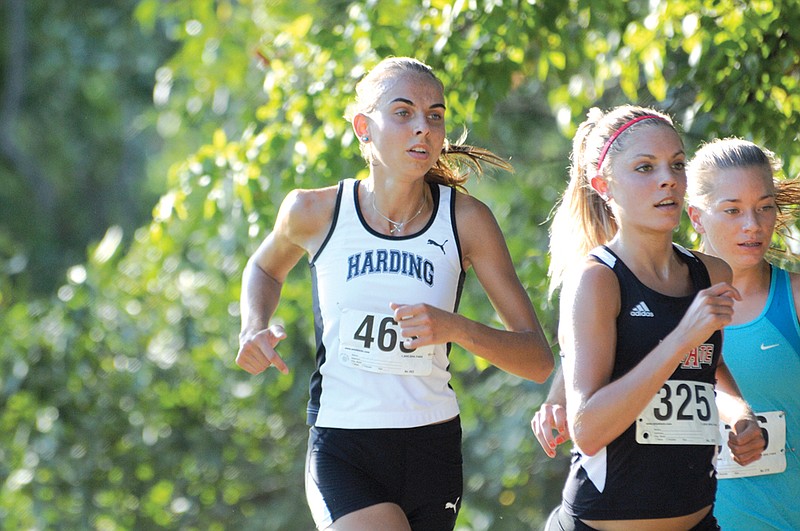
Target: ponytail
582, 219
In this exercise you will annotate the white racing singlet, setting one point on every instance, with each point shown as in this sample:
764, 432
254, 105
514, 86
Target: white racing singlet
365, 376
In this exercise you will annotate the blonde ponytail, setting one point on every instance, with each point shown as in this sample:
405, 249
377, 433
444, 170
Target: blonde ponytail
583, 220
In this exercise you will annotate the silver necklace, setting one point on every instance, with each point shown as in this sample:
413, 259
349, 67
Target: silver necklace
397, 226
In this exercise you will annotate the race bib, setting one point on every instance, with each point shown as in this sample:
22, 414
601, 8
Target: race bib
773, 460
682, 412
372, 342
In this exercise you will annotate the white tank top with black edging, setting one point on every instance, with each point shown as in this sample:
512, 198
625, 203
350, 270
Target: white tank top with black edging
367, 378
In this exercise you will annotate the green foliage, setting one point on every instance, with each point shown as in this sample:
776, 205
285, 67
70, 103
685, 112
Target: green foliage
73, 138
120, 405
125, 412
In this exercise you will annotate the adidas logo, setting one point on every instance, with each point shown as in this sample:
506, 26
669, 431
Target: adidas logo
641, 310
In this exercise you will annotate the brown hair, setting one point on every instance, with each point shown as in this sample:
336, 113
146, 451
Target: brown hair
457, 159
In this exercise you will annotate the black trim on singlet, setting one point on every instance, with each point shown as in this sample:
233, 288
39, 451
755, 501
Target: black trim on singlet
328, 236
454, 223
315, 382
434, 196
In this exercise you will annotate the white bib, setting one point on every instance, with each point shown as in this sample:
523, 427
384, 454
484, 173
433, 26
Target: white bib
773, 459
372, 342
682, 412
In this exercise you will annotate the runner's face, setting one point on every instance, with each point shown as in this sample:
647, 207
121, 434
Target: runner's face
648, 178
739, 217
407, 127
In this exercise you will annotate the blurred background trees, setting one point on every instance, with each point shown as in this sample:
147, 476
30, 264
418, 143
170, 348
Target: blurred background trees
144, 148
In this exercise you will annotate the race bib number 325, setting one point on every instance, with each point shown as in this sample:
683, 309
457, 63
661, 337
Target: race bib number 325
372, 342
682, 412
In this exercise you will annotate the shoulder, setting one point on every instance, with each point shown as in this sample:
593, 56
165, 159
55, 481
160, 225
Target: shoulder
794, 280
589, 303
590, 272
470, 209
718, 269
590, 281
312, 201
306, 215
478, 231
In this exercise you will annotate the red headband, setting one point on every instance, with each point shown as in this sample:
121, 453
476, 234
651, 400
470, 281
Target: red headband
619, 131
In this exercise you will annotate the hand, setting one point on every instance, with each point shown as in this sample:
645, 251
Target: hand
257, 352
549, 425
421, 324
711, 310
746, 441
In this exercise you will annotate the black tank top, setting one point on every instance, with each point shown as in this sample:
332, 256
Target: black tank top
628, 480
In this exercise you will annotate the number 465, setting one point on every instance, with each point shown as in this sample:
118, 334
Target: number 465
386, 338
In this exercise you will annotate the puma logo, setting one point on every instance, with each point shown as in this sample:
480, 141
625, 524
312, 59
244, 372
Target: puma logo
451, 505
440, 246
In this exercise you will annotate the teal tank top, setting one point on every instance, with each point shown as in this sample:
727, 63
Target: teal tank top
764, 358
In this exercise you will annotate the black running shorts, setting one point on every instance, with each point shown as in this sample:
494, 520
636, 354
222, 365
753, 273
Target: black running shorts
419, 469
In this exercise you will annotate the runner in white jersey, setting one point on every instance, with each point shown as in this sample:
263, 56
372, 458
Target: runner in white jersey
355, 273
388, 257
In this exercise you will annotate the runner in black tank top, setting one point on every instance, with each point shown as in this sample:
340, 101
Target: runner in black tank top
669, 480
638, 331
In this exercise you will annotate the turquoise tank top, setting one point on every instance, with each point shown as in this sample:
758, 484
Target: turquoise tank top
764, 358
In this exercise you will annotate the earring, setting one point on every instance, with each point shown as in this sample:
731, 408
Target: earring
365, 139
